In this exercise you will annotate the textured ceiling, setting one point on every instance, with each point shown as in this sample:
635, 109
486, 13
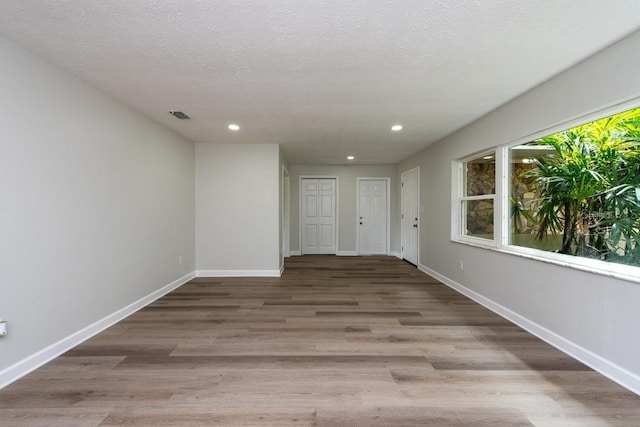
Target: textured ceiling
323, 78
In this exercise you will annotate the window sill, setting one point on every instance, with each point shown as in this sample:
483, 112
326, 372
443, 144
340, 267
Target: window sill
613, 270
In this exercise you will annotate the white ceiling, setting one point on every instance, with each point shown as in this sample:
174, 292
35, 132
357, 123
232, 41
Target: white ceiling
323, 78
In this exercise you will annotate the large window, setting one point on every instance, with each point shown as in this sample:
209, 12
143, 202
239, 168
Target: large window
573, 193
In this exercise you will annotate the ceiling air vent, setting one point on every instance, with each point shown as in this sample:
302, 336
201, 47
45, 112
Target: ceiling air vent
180, 115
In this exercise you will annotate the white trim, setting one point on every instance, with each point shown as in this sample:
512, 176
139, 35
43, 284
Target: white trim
36, 360
300, 178
481, 197
237, 273
502, 203
285, 214
458, 215
396, 254
388, 225
347, 253
607, 368
281, 268
295, 253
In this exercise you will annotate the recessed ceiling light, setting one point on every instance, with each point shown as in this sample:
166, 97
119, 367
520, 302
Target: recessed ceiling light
488, 157
350, 157
396, 128
233, 127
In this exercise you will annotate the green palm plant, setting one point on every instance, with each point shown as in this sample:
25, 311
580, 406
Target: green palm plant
566, 184
590, 189
622, 200
519, 214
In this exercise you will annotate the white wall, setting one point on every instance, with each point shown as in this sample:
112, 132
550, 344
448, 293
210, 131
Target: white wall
595, 317
347, 201
237, 209
96, 206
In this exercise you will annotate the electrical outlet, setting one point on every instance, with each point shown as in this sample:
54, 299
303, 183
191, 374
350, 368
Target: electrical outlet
179, 259
460, 265
3, 328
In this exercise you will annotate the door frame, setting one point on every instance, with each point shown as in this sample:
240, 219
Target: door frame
300, 178
417, 170
285, 219
388, 225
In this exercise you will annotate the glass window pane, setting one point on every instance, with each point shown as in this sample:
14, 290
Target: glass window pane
480, 176
478, 218
524, 196
577, 192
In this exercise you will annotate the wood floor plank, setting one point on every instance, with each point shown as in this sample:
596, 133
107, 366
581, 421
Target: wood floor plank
54, 417
420, 416
197, 415
334, 341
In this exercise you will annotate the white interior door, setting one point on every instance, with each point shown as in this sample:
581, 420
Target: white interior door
372, 216
318, 212
409, 216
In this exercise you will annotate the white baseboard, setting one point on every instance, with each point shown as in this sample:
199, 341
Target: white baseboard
396, 254
237, 273
607, 368
36, 360
281, 269
346, 253
338, 253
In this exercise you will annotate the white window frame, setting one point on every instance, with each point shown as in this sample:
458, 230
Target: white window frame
458, 220
500, 242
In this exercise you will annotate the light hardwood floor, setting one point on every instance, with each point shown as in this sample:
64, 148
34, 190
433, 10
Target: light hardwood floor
335, 341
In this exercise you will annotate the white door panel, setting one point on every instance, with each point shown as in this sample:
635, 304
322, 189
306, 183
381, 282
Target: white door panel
319, 216
312, 206
326, 201
326, 238
372, 216
409, 218
311, 234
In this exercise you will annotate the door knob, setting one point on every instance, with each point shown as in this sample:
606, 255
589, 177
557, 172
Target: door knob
415, 225
360, 222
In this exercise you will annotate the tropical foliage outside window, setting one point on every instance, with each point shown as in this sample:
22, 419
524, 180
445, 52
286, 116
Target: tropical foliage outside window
577, 192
